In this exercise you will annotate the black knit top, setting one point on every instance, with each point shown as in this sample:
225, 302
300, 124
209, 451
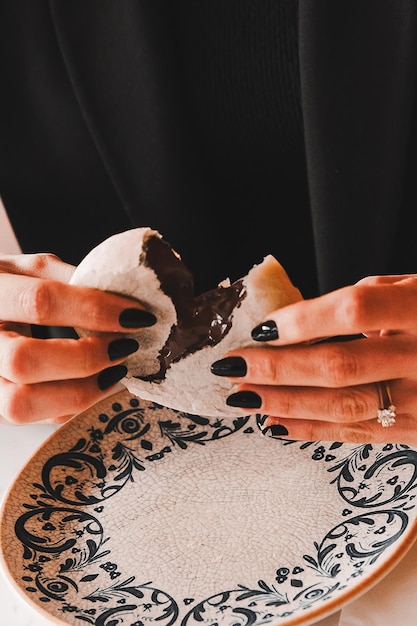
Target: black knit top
238, 80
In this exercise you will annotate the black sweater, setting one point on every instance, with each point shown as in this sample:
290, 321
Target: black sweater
188, 116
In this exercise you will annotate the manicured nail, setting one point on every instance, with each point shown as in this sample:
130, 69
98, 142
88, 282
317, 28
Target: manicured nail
136, 318
111, 376
276, 430
229, 366
245, 399
119, 348
267, 331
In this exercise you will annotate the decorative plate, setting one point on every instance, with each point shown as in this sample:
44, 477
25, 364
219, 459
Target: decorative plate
132, 514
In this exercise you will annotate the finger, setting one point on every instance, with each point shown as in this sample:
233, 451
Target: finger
26, 360
343, 406
385, 279
46, 266
347, 311
53, 303
403, 432
51, 421
23, 404
338, 364
346, 405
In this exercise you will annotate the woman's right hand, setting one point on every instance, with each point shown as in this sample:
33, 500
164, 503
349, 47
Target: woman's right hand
52, 379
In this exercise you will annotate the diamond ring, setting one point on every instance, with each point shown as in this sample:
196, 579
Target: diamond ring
386, 411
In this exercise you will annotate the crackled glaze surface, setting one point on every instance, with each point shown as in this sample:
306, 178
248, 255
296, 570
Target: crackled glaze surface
134, 514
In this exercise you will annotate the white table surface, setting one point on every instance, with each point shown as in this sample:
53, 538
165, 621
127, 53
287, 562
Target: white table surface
17, 445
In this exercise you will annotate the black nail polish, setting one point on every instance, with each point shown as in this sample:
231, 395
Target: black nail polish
229, 366
245, 399
267, 331
111, 376
120, 348
276, 430
136, 318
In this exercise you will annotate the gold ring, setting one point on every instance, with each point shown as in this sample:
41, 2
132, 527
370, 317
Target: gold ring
386, 410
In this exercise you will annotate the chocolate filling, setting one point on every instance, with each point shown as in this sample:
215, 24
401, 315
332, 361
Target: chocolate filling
202, 320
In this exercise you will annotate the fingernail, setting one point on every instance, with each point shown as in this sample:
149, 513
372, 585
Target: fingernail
276, 430
229, 366
267, 331
244, 399
119, 348
111, 376
136, 318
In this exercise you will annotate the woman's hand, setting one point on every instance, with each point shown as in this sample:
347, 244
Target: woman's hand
325, 390
51, 379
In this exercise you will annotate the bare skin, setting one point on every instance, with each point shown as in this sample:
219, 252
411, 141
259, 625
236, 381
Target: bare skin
327, 391
50, 380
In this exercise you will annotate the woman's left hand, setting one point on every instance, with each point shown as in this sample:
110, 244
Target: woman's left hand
312, 389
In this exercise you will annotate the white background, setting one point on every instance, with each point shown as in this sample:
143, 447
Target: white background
8, 242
